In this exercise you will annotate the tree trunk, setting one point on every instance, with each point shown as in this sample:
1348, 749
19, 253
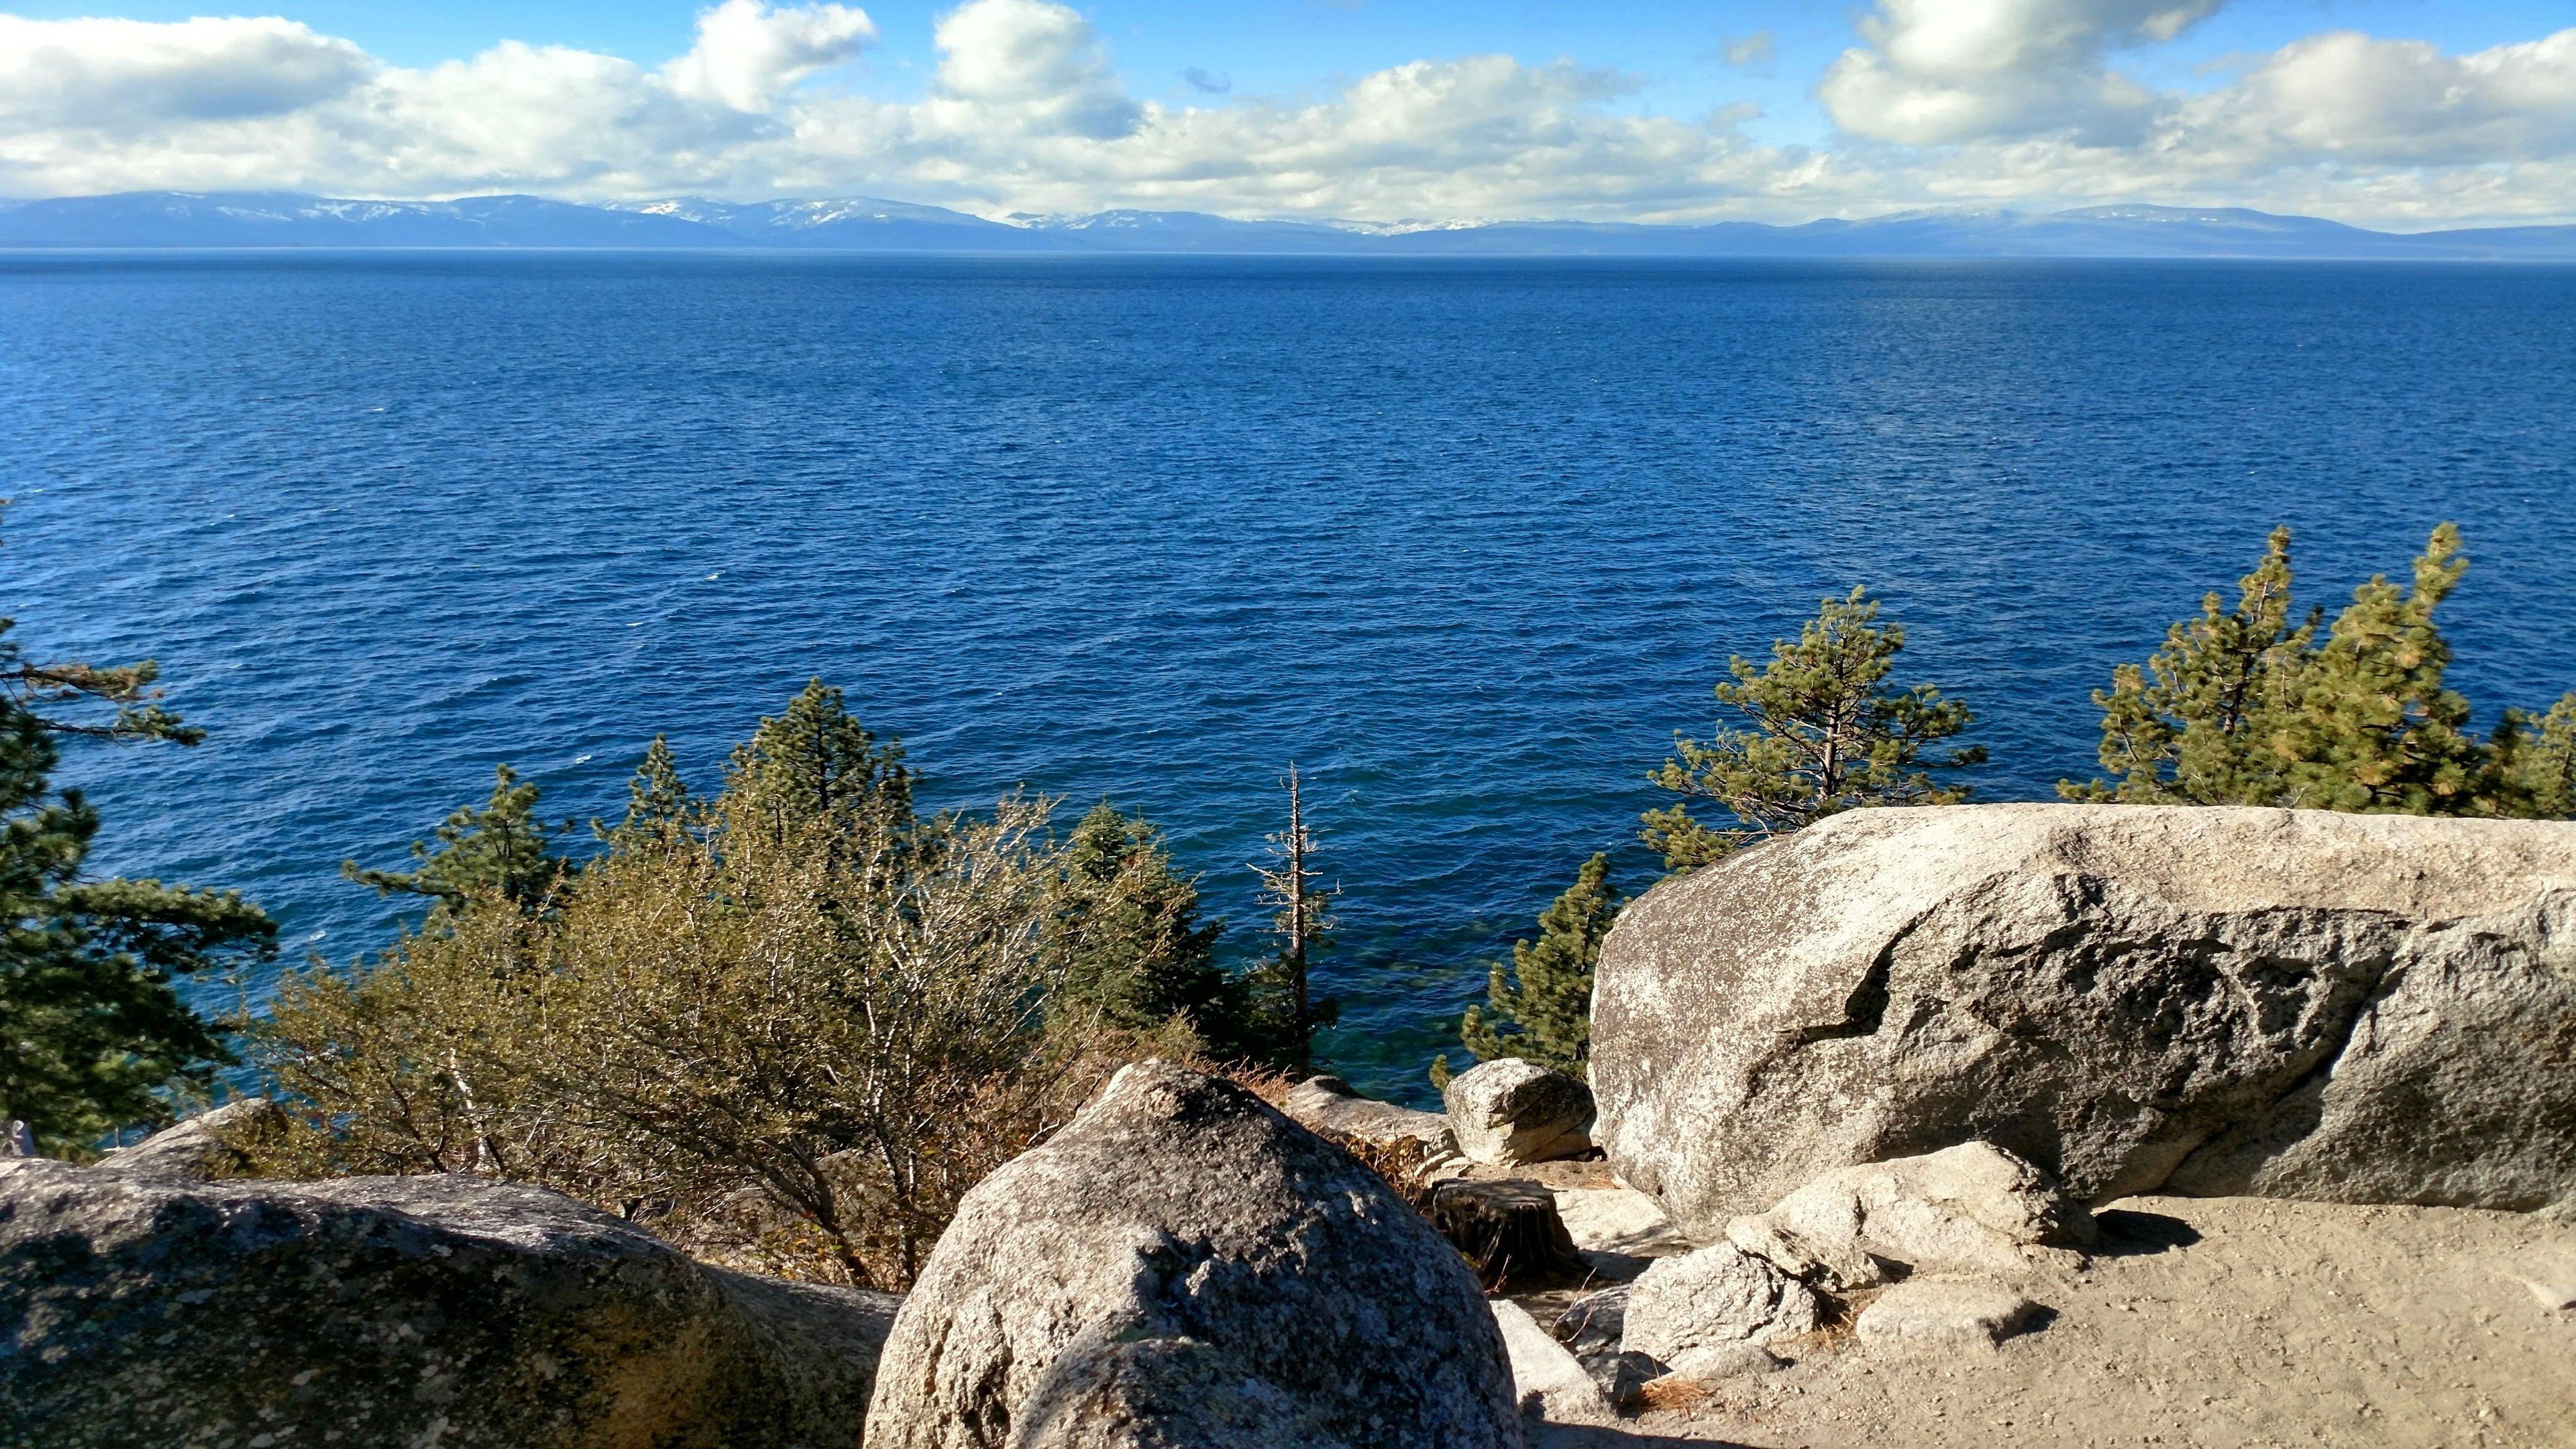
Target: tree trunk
1509, 1231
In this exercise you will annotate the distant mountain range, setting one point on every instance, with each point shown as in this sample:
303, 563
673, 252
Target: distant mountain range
165, 219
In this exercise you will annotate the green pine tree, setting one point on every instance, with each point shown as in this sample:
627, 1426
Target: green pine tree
2540, 767
816, 762
2242, 707
2204, 721
1542, 1011
1134, 953
93, 1035
1822, 735
2376, 729
660, 813
500, 847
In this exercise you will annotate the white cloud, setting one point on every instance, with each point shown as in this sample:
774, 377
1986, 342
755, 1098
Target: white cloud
121, 75
2014, 102
2347, 97
748, 55
1028, 65
1939, 71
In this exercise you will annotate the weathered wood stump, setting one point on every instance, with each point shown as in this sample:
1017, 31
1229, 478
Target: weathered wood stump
1509, 1230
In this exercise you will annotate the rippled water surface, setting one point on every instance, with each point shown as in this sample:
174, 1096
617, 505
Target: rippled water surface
1468, 540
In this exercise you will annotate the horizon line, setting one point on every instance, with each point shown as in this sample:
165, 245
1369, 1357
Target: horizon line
1023, 220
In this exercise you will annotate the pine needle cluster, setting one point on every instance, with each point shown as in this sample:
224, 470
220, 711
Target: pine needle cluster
1540, 1008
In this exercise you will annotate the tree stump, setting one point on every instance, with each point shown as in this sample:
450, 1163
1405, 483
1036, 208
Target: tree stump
1509, 1230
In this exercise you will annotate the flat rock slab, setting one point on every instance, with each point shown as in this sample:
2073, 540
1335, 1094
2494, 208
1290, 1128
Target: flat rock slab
1546, 1377
1329, 1105
1618, 1220
1951, 1312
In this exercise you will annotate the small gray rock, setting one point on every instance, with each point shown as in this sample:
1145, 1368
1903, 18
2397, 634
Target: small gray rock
1717, 1296
1721, 1361
1182, 1265
1594, 1324
1509, 1111
1622, 1377
1946, 1311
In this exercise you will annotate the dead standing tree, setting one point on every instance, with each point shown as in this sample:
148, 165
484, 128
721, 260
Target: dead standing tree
1301, 922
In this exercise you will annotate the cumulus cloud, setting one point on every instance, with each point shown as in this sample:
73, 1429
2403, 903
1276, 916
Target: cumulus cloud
2016, 102
1030, 65
121, 75
748, 54
1954, 70
2346, 96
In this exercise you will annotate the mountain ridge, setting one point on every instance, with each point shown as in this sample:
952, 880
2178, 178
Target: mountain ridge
155, 220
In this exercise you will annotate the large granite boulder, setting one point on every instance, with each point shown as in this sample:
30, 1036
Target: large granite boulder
145, 1306
1183, 1266
2208, 1001
1510, 1111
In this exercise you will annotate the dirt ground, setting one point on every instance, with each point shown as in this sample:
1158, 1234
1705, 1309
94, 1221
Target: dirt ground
2230, 1321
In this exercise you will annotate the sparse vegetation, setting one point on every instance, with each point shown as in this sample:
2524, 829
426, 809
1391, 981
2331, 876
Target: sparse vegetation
790, 1025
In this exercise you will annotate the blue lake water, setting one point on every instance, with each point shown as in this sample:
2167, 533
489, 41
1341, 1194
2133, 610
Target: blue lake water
1468, 540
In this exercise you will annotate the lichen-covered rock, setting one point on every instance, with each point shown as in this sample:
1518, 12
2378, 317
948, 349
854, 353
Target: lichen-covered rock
1716, 1296
1328, 1105
149, 1308
1969, 1208
1183, 1266
2215, 1001
1511, 1111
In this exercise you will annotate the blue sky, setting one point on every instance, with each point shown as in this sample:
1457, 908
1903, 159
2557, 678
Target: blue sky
2395, 112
